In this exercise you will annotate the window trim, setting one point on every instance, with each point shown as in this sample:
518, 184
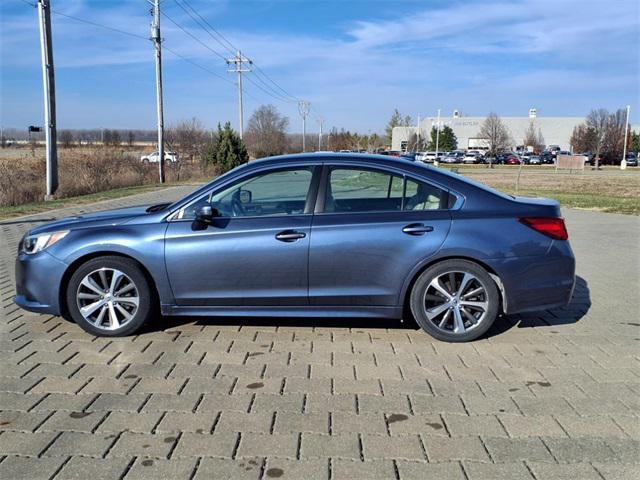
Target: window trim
310, 201
327, 167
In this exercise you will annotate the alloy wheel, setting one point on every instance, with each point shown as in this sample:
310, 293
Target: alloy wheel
456, 302
107, 298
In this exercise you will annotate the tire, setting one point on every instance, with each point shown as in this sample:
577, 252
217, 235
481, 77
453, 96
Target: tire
131, 303
458, 317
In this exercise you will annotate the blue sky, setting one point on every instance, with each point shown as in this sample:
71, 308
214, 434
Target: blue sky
355, 61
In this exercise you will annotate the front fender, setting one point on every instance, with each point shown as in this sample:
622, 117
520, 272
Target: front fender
144, 243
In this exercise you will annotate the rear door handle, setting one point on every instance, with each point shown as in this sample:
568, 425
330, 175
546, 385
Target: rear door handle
417, 229
290, 235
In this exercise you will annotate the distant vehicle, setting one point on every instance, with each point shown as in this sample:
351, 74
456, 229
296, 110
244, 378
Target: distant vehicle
506, 157
477, 152
525, 156
155, 157
535, 160
392, 153
453, 157
409, 156
632, 159
563, 152
429, 157
546, 158
472, 157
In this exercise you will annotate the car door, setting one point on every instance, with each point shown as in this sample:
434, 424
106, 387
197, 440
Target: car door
256, 252
370, 229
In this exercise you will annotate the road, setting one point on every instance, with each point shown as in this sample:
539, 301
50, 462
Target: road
549, 395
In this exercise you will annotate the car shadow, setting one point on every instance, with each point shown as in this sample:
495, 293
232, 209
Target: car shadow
572, 313
578, 307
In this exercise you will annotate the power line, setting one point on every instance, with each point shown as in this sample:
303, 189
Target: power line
95, 24
194, 37
207, 27
197, 65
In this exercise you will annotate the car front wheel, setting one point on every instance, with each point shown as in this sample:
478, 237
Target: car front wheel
109, 296
455, 301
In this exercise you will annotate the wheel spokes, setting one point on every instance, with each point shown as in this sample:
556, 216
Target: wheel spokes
435, 283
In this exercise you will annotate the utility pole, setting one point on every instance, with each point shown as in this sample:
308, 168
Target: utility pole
418, 133
237, 61
626, 134
321, 122
437, 134
303, 108
157, 41
48, 80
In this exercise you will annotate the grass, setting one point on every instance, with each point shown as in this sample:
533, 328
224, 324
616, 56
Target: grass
39, 207
604, 203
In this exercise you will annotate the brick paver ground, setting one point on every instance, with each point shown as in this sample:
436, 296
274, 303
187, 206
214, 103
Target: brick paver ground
547, 395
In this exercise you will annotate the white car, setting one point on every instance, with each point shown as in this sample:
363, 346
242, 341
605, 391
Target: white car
155, 157
472, 157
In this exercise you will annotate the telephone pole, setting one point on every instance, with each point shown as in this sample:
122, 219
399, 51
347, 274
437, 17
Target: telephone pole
48, 80
626, 135
237, 61
303, 108
321, 122
437, 135
157, 41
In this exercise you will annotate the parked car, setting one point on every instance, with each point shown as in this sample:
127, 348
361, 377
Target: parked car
512, 160
295, 236
472, 157
547, 158
525, 156
505, 157
632, 159
409, 156
535, 160
429, 157
154, 157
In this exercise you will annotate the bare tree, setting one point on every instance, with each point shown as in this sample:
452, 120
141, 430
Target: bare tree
66, 138
533, 139
131, 138
496, 134
189, 138
613, 143
583, 139
266, 132
597, 120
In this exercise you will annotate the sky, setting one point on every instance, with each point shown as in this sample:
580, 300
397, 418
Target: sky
354, 61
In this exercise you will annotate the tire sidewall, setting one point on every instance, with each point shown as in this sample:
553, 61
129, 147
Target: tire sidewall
417, 293
134, 272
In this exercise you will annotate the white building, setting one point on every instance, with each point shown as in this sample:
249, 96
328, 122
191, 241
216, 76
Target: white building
554, 130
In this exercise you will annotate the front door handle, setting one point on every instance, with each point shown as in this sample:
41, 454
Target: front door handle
417, 229
290, 235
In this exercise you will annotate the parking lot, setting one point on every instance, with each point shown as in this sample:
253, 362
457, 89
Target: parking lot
549, 395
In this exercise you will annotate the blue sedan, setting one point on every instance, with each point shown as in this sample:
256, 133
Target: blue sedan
307, 235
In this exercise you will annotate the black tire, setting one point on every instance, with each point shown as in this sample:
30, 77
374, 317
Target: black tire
146, 298
418, 309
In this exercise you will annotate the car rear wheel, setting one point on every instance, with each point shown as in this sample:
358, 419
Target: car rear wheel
455, 301
109, 296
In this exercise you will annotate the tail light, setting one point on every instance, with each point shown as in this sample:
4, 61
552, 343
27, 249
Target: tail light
553, 227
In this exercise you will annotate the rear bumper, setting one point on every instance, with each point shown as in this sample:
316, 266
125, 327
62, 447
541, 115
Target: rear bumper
538, 283
38, 279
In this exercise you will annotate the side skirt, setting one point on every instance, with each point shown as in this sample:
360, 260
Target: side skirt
283, 311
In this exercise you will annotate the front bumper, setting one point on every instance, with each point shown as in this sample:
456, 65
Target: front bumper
38, 281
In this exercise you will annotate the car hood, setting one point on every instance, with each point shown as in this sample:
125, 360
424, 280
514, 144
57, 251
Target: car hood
107, 217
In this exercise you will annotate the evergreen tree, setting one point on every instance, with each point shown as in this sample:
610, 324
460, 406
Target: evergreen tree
447, 141
231, 151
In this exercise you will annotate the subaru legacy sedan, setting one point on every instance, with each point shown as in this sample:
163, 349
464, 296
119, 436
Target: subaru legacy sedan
314, 235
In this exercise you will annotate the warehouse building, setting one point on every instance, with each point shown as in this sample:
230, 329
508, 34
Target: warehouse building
554, 130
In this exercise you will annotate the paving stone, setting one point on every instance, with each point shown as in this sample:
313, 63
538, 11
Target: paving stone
160, 402
288, 422
539, 425
342, 422
24, 443
80, 443
118, 402
430, 404
550, 471
23, 421
174, 422
626, 451
337, 446
176, 468
618, 472
413, 470
215, 402
26, 468
331, 403
384, 404
142, 444
64, 420
221, 468
205, 445
400, 424
601, 427
490, 471
511, 450
82, 468
452, 449
476, 425
245, 422
289, 402
262, 445
307, 469
408, 447
368, 470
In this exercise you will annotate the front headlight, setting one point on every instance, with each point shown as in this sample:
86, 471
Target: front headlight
35, 243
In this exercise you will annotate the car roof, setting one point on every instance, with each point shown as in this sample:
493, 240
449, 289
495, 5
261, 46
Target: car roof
332, 157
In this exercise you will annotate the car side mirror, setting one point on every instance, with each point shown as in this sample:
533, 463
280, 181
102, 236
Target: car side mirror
206, 213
